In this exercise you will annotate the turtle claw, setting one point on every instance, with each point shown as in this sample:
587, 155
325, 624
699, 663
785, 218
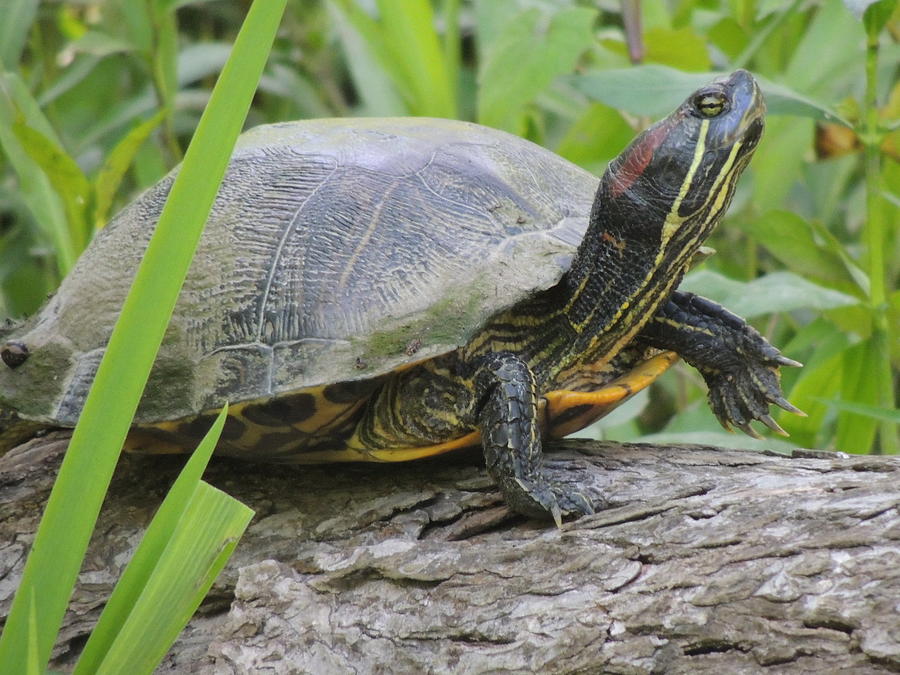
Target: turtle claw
574, 503
556, 513
782, 360
750, 431
543, 498
773, 425
783, 403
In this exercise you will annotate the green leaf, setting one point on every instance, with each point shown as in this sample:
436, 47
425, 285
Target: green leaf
26, 279
793, 241
198, 61
71, 511
856, 433
821, 346
781, 100
655, 90
43, 202
65, 176
100, 44
365, 52
202, 542
71, 77
287, 83
529, 54
116, 164
18, 16
416, 57
143, 565
165, 58
774, 292
780, 159
598, 135
728, 35
813, 69
876, 14
680, 48
872, 411
136, 24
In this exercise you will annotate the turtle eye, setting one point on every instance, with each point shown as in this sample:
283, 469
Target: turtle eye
14, 353
710, 104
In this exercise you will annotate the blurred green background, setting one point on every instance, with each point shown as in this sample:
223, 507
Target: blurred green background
98, 100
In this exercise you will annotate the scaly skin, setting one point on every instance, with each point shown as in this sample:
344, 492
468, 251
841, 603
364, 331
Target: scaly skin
655, 205
740, 367
507, 416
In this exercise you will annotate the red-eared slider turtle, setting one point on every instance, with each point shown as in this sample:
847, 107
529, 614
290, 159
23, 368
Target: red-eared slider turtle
388, 289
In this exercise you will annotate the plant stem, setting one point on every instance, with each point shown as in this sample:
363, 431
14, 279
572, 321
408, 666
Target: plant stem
871, 140
874, 238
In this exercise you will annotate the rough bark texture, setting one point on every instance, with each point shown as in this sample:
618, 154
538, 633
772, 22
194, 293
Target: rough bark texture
705, 560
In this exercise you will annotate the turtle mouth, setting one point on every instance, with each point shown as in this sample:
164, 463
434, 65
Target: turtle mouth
752, 135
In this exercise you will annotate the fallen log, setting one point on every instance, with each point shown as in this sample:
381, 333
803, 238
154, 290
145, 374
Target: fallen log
704, 560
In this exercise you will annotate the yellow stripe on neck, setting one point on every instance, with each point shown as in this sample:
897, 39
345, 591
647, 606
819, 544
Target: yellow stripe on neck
673, 220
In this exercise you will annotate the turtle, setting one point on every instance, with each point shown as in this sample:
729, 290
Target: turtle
391, 289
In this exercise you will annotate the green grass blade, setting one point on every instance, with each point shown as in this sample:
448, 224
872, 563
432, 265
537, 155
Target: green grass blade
117, 162
141, 567
203, 541
65, 176
65, 529
452, 45
417, 57
43, 202
859, 384
34, 665
367, 59
17, 18
891, 416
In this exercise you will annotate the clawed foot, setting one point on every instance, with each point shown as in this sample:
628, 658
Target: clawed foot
542, 498
744, 393
740, 367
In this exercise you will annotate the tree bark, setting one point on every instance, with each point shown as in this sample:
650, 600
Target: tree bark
704, 560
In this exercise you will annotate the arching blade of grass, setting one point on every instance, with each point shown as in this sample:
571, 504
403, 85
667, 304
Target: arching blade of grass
146, 565
65, 176
65, 529
37, 192
201, 544
17, 18
116, 164
417, 58
405, 44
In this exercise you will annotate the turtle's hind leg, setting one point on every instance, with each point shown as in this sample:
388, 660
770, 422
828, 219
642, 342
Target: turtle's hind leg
507, 404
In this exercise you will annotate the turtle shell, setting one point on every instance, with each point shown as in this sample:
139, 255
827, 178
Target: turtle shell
336, 251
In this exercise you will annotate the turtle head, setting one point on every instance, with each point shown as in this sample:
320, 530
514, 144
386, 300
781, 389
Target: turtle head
656, 204
34, 365
15, 398
670, 187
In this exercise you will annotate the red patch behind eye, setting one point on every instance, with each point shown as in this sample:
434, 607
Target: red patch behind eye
637, 159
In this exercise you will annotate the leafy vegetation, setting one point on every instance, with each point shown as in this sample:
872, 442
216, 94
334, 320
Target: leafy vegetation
98, 100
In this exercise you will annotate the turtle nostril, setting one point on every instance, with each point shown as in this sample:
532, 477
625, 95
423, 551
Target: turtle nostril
14, 353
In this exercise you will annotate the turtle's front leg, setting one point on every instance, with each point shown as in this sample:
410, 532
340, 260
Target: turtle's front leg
740, 367
507, 416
